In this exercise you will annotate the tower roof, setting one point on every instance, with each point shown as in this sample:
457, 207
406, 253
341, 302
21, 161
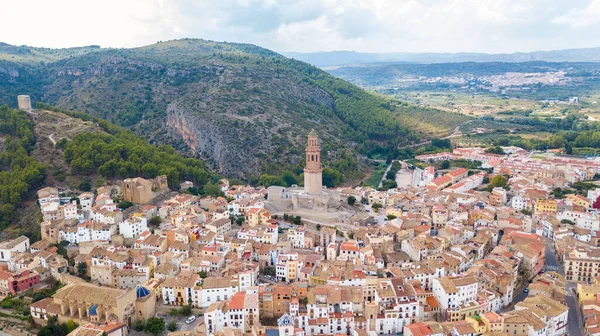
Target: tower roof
312, 133
93, 310
141, 292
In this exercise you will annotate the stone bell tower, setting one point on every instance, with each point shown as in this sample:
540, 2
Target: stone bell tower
313, 174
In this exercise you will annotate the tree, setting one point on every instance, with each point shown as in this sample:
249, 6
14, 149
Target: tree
525, 212
297, 220
139, 325
125, 204
288, 178
441, 143
568, 148
212, 189
495, 150
53, 328
388, 184
270, 180
390, 217
154, 221
351, 235
81, 269
376, 206
71, 325
445, 164
269, 271
186, 310
172, 325
318, 227
499, 181
202, 274
155, 326
100, 181
331, 177
85, 185
351, 200
240, 220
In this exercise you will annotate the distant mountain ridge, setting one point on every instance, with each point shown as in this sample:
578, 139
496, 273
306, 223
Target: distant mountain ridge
339, 58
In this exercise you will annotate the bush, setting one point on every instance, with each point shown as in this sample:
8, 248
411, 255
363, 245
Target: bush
155, 326
138, 325
351, 200
125, 204
154, 221
85, 185
186, 310
172, 325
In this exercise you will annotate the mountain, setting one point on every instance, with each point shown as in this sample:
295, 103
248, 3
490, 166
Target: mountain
244, 109
74, 151
33, 55
339, 58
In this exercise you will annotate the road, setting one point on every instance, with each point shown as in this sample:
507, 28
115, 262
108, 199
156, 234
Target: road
575, 321
52, 139
181, 325
385, 173
378, 217
192, 326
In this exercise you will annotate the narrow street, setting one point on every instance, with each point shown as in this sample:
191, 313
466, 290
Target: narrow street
575, 321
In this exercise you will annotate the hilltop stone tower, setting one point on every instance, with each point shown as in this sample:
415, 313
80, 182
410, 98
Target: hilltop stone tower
313, 173
24, 102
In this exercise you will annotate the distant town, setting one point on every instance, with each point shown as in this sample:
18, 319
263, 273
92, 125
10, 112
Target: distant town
503, 249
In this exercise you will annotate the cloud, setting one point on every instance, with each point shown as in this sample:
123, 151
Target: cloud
310, 25
581, 17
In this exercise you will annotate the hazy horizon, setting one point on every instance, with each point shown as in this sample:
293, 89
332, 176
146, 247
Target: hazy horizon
375, 26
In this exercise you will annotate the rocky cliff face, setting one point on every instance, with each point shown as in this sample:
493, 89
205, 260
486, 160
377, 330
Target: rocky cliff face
244, 109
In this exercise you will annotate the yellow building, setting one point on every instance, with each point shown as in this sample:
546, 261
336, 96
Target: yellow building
587, 292
83, 302
477, 323
258, 216
547, 206
579, 200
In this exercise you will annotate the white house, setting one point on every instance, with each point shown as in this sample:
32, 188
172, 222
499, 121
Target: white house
239, 312
86, 201
9, 248
133, 226
214, 290
451, 292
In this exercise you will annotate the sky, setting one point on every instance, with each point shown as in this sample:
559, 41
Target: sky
492, 26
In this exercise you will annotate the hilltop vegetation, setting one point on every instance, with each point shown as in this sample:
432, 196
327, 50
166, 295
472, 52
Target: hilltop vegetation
40, 56
19, 171
244, 109
87, 149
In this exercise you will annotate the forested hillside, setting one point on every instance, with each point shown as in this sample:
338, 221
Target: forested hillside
244, 109
75, 151
19, 171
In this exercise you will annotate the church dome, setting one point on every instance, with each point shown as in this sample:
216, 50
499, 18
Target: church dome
141, 292
93, 310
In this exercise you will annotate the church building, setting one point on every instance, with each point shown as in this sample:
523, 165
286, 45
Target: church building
313, 173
